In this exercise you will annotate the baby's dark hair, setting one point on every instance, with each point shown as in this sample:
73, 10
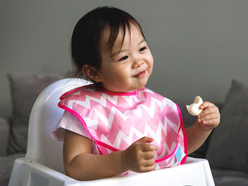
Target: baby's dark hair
86, 37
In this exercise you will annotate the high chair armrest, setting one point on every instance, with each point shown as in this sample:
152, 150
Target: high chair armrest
27, 173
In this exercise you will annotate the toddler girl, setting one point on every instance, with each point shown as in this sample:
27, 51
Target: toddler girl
116, 125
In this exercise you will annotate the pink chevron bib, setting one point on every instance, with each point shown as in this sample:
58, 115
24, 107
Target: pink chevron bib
116, 120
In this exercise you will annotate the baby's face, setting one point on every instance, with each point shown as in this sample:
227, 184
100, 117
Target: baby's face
128, 65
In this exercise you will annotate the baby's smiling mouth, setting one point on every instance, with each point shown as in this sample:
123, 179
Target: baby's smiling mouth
141, 74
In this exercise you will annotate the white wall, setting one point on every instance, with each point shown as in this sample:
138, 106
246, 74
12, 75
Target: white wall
198, 46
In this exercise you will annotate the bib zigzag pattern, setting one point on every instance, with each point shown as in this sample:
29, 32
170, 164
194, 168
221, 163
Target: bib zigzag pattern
115, 121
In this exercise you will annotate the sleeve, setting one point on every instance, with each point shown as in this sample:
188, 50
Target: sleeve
69, 122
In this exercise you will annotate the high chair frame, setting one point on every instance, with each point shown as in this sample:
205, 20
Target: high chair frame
43, 163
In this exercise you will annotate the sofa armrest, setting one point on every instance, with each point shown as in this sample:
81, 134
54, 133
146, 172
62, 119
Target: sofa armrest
4, 134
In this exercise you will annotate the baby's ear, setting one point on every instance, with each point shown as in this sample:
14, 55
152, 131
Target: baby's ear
91, 72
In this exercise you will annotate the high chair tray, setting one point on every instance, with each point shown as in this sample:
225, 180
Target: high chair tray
195, 172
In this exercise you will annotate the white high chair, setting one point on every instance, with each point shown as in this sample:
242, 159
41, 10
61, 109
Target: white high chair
43, 163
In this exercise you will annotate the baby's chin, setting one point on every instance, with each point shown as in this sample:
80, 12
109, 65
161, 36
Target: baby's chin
128, 88
141, 85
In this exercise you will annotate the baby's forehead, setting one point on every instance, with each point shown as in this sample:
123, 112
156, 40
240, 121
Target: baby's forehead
112, 39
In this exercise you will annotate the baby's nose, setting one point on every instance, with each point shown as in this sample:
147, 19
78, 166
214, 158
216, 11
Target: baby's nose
137, 63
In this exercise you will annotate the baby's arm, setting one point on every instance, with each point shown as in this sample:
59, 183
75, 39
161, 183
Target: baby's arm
208, 119
81, 164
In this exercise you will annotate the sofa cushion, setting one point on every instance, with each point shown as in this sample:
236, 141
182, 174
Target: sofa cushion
228, 144
6, 164
25, 88
224, 177
4, 135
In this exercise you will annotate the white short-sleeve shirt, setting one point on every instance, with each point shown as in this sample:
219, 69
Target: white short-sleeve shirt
70, 122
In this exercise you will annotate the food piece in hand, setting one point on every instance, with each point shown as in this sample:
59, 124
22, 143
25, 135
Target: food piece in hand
194, 109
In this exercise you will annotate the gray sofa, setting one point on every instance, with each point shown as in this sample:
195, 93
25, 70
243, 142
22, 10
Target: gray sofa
13, 131
225, 147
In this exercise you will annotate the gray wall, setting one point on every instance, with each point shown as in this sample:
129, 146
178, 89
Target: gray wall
198, 46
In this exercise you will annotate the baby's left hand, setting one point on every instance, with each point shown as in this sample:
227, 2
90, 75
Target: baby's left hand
209, 118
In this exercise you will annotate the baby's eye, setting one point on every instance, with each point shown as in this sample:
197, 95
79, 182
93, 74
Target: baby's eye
143, 49
123, 58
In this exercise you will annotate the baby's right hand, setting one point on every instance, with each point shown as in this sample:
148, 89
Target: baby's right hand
139, 157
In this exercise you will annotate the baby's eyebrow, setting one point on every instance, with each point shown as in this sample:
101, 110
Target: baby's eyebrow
117, 52
123, 50
143, 40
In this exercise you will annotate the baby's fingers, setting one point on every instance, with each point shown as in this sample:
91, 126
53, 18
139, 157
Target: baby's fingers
213, 122
206, 104
209, 111
148, 155
147, 161
210, 116
149, 165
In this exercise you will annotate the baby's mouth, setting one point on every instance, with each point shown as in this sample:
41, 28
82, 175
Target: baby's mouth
141, 74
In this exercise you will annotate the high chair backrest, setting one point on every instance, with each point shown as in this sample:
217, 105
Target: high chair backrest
44, 116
